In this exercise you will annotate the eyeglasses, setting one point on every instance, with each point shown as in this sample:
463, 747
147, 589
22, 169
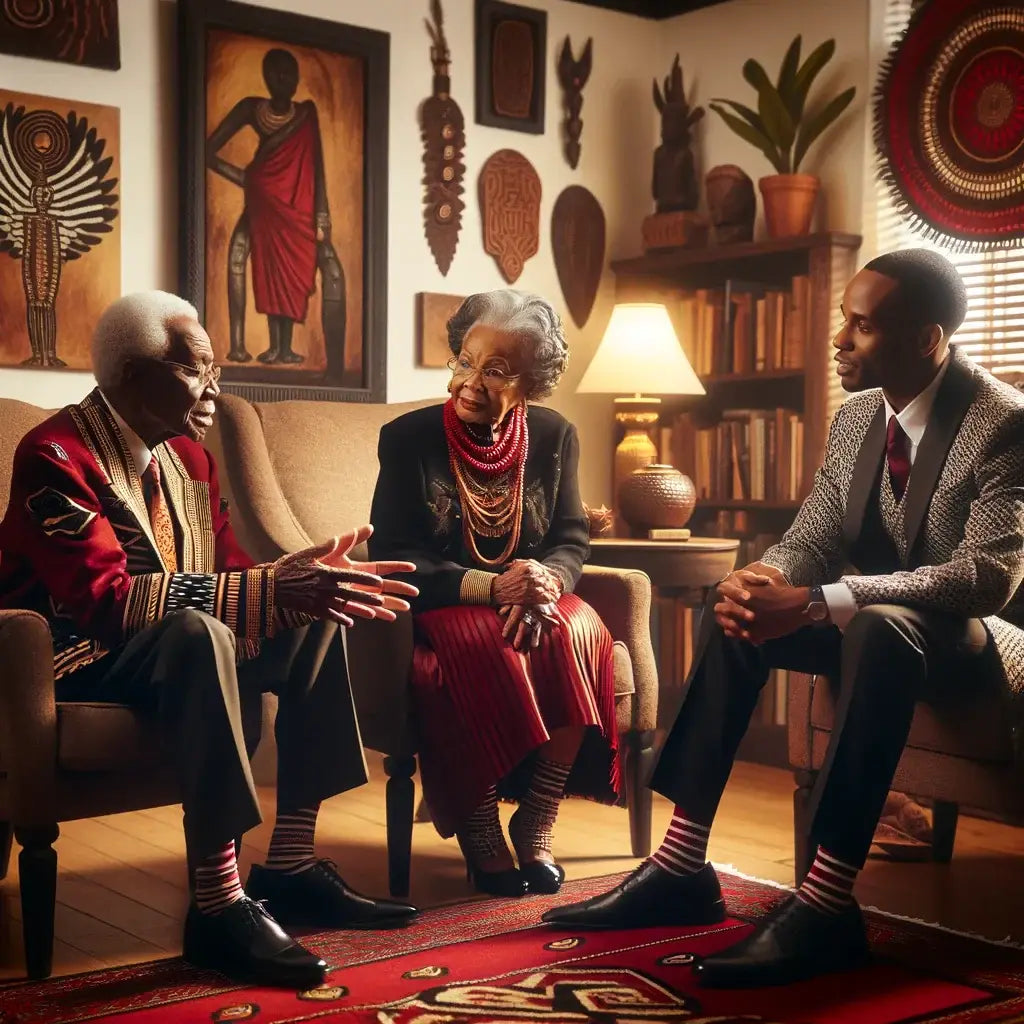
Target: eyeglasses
493, 380
204, 375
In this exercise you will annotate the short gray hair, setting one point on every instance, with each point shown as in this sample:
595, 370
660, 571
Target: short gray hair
531, 319
134, 327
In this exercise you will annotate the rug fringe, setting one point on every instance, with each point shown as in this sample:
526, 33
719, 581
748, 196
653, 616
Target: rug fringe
1005, 943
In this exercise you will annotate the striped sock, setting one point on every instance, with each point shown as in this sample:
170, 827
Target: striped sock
482, 833
828, 886
538, 810
291, 845
215, 881
684, 850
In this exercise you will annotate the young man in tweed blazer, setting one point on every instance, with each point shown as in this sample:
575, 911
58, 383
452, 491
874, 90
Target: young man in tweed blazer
900, 579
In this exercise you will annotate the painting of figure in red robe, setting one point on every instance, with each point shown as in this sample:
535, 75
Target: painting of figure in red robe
284, 206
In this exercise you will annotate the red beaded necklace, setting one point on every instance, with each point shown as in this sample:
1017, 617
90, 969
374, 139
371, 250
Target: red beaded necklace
489, 514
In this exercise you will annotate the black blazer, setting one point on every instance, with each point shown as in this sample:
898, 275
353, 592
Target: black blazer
417, 514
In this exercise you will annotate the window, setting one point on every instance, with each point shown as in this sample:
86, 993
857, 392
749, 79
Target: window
993, 333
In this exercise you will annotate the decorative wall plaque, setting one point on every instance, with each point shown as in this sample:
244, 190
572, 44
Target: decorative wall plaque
573, 75
433, 311
577, 240
444, 139
511, 60
510, 211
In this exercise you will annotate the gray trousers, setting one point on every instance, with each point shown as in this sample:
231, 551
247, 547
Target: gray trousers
183, 669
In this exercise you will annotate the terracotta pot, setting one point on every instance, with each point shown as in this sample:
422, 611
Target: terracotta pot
789, 203
656, 496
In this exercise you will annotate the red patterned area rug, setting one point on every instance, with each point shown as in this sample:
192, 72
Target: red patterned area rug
488, 962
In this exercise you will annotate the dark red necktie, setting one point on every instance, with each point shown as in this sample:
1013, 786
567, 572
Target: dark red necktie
897, 454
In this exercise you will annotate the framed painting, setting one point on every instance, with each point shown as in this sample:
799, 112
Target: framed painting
284, 194
74, 31
511, 64
60, 229
433, 311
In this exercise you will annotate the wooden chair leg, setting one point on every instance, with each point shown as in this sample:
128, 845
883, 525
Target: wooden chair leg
37, 868
944, 818
401, 792
6, 837
639, 798
803, 844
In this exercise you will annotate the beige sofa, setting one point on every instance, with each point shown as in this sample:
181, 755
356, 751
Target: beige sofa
297, 473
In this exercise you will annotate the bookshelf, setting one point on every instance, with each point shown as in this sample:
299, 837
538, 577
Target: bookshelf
756, 320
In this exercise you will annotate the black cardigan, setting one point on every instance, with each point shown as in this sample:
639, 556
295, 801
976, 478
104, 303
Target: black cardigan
417, 512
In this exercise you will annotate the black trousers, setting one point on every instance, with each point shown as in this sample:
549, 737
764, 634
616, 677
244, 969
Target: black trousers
183, 669
888, 658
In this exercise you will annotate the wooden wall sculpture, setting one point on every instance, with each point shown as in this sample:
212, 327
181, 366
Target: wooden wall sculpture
444, 138
433, 311
573, 75
511, 65
510, 211
577, 241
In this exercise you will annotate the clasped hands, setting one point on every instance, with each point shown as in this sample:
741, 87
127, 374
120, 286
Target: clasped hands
325, 583
526, 594
756, 603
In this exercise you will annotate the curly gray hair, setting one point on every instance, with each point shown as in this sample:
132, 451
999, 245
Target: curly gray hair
531, 319
134, 327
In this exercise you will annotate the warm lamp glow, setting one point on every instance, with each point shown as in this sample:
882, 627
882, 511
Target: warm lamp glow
640, 353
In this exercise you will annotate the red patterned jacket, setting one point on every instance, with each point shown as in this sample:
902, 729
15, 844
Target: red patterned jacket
77, 545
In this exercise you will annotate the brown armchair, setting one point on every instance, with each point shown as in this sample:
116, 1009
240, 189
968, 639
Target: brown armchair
961, 759
287, 492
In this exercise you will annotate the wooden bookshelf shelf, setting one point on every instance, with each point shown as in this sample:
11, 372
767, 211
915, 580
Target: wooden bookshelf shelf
756, 439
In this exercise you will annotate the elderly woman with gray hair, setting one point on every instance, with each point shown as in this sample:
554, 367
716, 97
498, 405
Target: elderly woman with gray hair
512, 673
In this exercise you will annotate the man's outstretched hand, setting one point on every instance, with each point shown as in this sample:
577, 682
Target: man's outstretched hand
323, 581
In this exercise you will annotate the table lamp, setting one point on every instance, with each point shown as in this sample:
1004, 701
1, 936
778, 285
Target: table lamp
638, 353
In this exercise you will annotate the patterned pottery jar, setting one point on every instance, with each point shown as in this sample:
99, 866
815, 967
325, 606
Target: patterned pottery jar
656, 497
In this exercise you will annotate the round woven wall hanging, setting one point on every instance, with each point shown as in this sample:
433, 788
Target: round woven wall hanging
949, 122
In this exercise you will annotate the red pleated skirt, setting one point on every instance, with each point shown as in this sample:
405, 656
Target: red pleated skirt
483, 708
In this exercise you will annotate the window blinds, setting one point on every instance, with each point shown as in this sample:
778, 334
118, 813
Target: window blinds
993, 334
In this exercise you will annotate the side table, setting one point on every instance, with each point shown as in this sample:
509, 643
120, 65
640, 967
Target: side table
682, 573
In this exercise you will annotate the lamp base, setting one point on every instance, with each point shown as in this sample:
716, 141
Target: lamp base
639, 417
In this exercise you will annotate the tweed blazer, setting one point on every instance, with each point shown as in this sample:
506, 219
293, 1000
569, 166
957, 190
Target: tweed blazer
959, 529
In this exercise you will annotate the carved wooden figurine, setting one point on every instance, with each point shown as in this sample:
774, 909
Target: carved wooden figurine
675, 177
573, 75
444, 138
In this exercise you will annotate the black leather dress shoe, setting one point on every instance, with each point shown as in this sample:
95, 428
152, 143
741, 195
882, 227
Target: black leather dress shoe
319, 897
649, 896
794, 942
244, 942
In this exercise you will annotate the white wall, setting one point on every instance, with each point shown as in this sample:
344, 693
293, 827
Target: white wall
619, 135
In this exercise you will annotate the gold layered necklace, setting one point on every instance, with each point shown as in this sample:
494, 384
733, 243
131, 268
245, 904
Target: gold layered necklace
269, 121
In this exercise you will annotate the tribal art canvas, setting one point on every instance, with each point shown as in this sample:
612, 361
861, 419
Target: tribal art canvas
949, 122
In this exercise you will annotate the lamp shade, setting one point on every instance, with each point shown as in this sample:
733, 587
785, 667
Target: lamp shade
640, 353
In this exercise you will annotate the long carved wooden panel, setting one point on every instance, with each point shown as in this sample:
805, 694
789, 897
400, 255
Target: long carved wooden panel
510, 192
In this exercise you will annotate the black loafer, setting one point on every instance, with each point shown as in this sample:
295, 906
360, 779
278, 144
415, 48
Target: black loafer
649, 896
793, 942
244, 942
318, 897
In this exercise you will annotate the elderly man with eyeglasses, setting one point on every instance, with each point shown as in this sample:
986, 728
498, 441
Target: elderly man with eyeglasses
512, 672
117, 534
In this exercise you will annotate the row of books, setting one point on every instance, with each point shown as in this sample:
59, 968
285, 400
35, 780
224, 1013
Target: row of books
749, 455
746, 327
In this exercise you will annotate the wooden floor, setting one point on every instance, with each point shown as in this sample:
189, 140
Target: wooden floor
122, 896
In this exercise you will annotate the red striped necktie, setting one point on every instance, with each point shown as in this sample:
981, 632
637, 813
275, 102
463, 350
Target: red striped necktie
897, 455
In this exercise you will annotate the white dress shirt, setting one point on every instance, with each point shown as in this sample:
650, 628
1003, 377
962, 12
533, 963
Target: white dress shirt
913, 418
141, 455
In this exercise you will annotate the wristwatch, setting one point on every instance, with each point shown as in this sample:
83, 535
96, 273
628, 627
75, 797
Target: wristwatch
817, 607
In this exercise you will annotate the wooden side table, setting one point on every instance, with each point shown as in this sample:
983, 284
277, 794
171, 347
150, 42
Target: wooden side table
682, 573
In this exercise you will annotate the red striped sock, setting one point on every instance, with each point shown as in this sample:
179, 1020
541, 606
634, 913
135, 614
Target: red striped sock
291, 844
684, 850
828, 886
215, 882
538, 809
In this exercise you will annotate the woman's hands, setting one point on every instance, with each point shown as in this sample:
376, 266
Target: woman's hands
526, 581
525, 624
324, 582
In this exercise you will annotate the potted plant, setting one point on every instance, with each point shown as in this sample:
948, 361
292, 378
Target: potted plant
782, 130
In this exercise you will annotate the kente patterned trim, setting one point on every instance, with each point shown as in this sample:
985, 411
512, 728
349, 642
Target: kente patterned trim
241, 600
475, 587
